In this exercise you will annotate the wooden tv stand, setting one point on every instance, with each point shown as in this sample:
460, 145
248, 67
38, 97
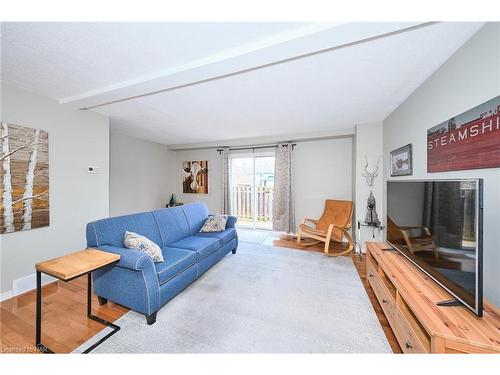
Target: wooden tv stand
409, 300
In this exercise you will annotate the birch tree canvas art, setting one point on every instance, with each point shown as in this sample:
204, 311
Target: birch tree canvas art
24, 176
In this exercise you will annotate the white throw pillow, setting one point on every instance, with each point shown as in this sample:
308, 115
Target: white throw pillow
216, 223
143, 244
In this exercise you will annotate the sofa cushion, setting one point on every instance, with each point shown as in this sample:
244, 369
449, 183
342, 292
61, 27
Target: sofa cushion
143, 244
172, 224
112, 230
196, 214
215, 223
176, 261
223, 237
202, 246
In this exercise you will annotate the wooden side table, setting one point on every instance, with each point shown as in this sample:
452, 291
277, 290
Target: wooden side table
67, 268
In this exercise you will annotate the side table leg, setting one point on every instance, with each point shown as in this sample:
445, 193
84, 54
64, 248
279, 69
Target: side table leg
38, 309
114, 327
89, 295
38, 323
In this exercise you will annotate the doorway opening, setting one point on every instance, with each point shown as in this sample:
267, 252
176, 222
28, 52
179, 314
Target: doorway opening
252, 185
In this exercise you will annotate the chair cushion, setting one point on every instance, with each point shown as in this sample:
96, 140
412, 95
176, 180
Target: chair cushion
223, 237
336, 212
176, 261
202, 246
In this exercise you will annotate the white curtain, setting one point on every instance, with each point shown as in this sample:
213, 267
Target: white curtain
283, 195
226, 183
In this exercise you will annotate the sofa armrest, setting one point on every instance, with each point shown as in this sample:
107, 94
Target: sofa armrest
132, 282
231, 221
131, 259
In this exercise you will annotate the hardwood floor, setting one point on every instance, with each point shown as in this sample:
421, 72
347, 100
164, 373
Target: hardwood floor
65, 325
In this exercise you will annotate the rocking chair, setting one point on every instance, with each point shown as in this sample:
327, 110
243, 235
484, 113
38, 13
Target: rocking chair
333, 225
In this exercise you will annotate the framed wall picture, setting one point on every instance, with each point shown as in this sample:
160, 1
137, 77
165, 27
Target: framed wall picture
470, 140
401, 161
24, 175
195, 177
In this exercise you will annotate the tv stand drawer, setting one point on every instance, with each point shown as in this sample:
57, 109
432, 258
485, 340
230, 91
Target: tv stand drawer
407, 339
384, 298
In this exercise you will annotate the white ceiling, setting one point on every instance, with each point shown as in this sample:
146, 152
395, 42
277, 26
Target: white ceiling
227, 81
61, 59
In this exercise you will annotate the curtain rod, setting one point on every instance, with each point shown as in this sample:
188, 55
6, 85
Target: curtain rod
253, 148
261, 145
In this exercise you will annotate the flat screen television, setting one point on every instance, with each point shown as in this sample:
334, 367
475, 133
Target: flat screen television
438, 225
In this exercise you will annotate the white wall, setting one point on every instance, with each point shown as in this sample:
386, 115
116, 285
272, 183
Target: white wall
142, 176
323, 169
77, 139
470, 77
369, 144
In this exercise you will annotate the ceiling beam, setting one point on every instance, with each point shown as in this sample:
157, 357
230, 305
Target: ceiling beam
248, 142
299, 44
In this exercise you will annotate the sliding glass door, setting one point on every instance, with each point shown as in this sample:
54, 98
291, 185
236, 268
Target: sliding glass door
252, 183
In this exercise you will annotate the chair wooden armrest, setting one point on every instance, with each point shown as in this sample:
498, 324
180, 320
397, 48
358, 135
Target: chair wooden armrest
311, 220
343, 229
339, 227
307, 229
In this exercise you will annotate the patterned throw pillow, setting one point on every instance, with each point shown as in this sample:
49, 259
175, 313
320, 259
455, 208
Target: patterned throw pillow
143, 244
216, 223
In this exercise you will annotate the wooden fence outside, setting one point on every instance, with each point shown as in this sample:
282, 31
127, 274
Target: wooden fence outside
243, 202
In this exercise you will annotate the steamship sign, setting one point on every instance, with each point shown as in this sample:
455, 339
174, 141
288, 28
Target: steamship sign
470, 140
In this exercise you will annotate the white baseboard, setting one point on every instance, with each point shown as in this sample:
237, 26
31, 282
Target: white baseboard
6, 295
25, 284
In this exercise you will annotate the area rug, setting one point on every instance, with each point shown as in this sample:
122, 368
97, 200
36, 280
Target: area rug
261, 300
253, 236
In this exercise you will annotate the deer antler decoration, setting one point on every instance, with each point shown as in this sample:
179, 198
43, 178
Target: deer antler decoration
370, 176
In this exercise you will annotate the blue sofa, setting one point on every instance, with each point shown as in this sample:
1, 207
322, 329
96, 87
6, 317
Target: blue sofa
136, 281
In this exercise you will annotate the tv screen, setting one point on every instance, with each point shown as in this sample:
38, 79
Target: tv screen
437, 225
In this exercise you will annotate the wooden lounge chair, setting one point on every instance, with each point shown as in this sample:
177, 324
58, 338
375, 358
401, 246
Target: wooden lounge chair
333, 225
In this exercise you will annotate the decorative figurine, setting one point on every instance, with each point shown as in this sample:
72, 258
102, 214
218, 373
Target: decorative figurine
371, 215
370, 176
172, 200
